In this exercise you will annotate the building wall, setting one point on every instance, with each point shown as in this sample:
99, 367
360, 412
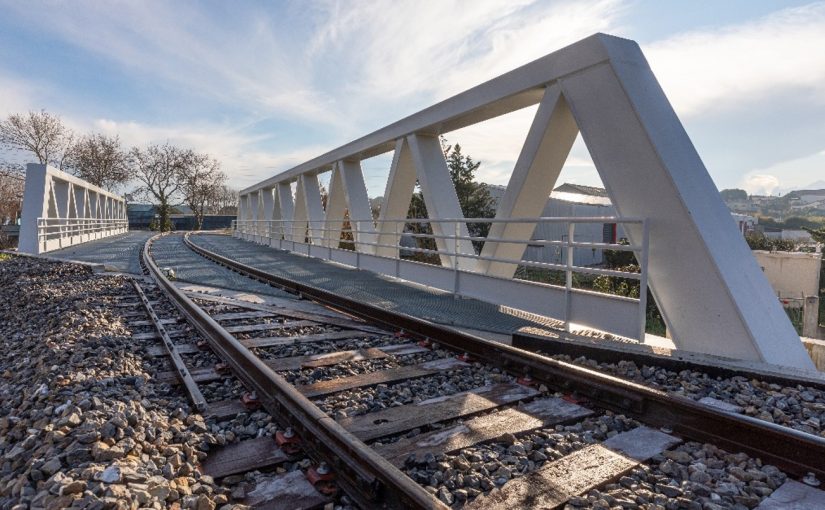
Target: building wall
568, 204
210, 221
792, 275
584, 232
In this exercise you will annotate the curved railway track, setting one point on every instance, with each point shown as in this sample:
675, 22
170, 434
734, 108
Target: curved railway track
370, 475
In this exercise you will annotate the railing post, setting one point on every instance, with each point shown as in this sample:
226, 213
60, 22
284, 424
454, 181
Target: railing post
397, 249
568, 275
457, 233
643, 282
810, 316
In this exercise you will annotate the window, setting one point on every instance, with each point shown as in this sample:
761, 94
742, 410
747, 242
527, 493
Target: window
609, 233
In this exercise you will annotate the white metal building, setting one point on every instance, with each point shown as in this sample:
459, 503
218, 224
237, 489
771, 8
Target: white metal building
571, 200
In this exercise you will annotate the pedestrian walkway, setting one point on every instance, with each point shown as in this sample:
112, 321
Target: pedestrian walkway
117, 253
409, 298
170, 251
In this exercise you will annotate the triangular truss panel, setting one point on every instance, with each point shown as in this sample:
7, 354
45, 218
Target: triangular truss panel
706, 282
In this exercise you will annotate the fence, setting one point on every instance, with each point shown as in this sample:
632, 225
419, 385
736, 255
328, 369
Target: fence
461, 274
56, 233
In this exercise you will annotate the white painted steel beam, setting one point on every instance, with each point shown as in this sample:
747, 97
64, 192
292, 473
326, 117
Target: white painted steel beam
309, 211
268, 203
249, 206
397, 197
358, 205
539, 164
260, 212
441, 200
336, 208
286, 205
712, 293
277, 229
242, 204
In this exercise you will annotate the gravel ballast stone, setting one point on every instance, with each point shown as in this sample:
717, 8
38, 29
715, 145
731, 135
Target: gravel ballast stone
81, 423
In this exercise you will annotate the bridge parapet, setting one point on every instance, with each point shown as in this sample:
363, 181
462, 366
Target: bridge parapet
421, 261
60, 210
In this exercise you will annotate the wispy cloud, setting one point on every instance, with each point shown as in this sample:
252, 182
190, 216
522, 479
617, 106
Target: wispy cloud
233, 56
756, 61
239, 152
15, 95
406, 54
326, 72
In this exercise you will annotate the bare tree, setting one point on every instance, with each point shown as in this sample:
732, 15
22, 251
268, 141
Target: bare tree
201, 183
12, 182
42, 134
158, 168
226, 201
100, 160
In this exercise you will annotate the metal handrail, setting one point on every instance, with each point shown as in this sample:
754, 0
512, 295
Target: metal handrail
369, 240
69, 229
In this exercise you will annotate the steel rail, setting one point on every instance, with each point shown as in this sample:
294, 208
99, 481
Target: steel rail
795, 452
364, 475
183, 374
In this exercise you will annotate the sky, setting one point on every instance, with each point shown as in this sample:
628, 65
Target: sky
264, 86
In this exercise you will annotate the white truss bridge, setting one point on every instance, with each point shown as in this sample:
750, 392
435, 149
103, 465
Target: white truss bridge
710, 290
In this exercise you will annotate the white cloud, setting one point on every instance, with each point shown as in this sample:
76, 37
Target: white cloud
802, 172
232, 56
716, 69
239, 153
16, 95
760, 184
527, 35
441, 48
359, 65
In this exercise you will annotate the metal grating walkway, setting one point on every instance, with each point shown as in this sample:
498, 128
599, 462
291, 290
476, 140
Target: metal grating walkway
171, 251
117, 253
416, 300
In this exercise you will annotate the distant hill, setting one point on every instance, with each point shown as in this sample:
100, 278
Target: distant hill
803, 192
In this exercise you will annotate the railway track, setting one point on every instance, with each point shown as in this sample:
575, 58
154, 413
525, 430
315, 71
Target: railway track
306, 368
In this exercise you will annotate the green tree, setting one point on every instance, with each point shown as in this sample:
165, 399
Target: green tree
473, 197
734, 194
758, 241
817, 235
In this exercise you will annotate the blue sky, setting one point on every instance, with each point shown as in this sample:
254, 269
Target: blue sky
266, 85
